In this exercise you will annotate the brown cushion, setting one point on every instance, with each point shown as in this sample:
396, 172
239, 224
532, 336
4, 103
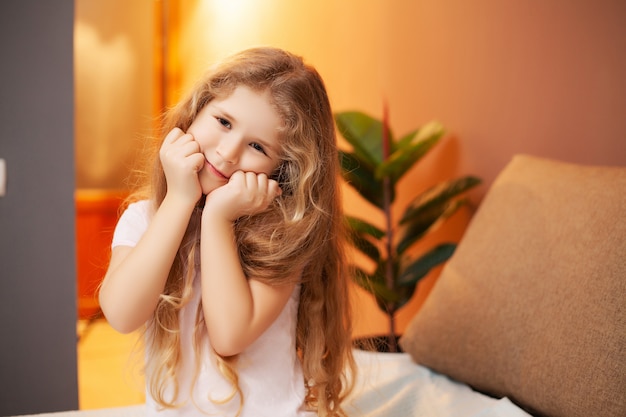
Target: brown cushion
532, 305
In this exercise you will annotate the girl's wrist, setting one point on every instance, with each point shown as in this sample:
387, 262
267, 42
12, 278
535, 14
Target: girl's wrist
208, 219
179, 204
213, 219
215, 211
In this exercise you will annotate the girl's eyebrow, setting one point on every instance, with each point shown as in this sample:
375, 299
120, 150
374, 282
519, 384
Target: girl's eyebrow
224, 113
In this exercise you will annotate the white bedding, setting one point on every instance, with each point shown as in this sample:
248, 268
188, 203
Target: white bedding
391, 384
388, 385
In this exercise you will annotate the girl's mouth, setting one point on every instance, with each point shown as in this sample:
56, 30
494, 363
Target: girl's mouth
216, 172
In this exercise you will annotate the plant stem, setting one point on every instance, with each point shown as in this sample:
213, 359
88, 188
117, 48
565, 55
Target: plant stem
387, 189
389, 266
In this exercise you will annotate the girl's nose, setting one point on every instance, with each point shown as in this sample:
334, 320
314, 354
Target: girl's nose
228, 150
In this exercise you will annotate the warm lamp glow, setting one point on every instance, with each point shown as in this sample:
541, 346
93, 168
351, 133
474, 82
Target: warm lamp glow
214, 29
232, 22
231, 9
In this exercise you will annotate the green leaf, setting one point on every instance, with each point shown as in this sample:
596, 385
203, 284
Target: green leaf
361, 226
409, 150
359, 232
429, 204
374, 284
419, 268
414, 229
365, 246
406, 140
364, 133
361, 178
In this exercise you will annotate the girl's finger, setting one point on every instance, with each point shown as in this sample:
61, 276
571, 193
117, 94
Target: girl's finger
173, 135
191, 147
262, 181
196, 161
268, 186
237, 177
274, 189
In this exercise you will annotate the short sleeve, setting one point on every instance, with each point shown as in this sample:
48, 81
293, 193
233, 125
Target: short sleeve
132, 224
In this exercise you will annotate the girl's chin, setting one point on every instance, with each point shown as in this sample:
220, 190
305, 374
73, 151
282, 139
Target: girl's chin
207, 188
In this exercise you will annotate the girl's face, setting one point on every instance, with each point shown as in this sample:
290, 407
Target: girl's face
237, 133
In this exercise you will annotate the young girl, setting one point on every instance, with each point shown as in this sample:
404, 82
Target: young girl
231, 254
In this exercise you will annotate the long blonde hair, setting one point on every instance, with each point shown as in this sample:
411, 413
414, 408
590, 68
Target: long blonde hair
302, 230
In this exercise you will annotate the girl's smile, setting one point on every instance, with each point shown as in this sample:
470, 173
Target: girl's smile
214, 170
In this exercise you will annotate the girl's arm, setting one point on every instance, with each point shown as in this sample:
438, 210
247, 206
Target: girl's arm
237, 310
136, 275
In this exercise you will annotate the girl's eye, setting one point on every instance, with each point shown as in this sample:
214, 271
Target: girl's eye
223, 122
258, 148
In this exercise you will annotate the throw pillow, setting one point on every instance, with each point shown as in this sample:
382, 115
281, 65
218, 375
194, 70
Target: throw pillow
532, 305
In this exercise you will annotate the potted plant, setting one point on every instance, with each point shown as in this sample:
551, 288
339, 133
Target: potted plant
374, 166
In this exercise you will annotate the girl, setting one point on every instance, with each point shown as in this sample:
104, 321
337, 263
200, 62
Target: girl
231, 254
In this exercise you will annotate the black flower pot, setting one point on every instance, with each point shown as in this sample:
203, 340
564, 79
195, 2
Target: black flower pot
378, 343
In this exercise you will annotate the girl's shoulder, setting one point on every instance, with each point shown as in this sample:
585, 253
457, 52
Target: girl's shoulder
138, 210
133, 223
141, 207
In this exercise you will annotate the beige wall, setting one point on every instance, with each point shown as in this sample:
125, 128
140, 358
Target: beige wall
521, 76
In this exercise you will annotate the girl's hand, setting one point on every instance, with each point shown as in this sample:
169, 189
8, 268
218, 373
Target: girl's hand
181, 159
246, 193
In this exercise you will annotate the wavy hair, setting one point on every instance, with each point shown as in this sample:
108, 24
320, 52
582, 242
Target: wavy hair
301, 230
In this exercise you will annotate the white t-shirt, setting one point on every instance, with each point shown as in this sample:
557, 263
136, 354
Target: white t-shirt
270, 374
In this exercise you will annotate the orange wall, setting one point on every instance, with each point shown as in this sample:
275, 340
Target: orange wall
539, 77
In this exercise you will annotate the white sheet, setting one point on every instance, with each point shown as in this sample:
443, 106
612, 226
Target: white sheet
388, 385
391, 384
